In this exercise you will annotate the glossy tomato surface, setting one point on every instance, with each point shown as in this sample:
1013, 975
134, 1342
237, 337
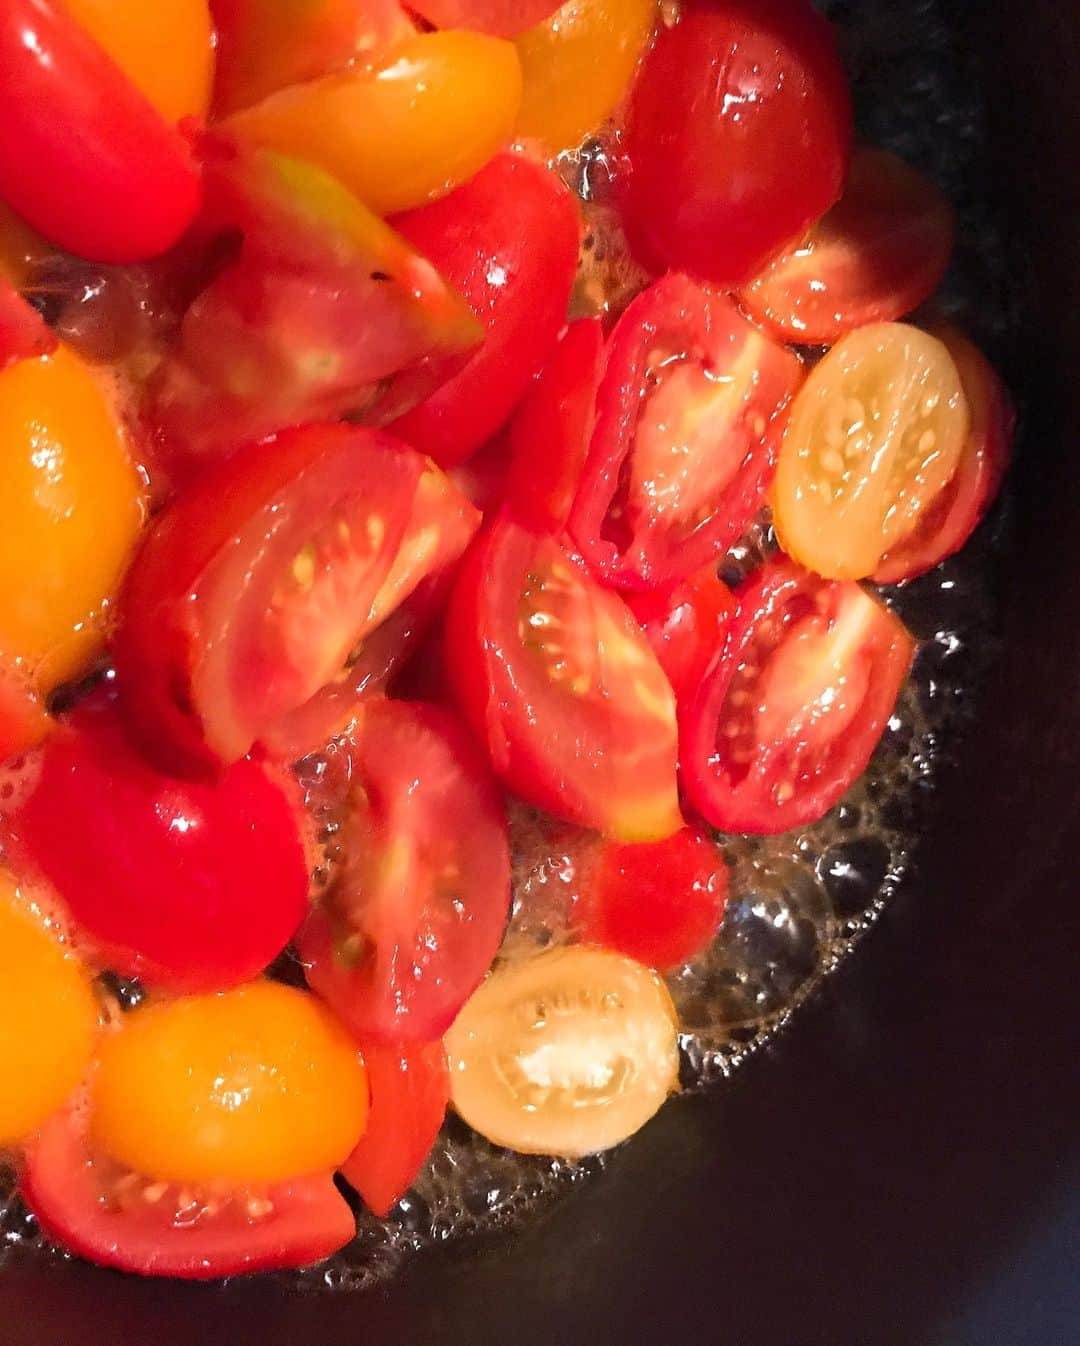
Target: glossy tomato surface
504, 18
738, 137
508, 240
791, 709
188, 886
414, 918
685, 624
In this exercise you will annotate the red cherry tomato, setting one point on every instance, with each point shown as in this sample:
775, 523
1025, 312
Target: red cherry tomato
189, 886
953, 516
500, 18
790, 712
738, 137
562, 687
685, 625
687, 426
508, 240
551, 430
658, 903
96, 1210
23, 332
84, 157
410, 1089
879, 253
414, 921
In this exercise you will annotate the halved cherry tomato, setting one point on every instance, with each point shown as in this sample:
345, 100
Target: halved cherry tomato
686, 625
878, 254
188, 886
254, 585
508, 240
953, 516
23, 332
404, 130
872, 440
552, 428
659, 903
567, 1053
24, 721
264, 45
483, 477
503, 18
688, 418
562, 687
323, 303
415, 919
410, 1088
84, 157
47, 1039
99, 1211
166, 49
577, 64
790, 712
738, 136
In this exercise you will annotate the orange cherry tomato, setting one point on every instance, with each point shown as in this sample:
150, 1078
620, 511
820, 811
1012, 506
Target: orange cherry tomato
577, 65
166, 48
405, 130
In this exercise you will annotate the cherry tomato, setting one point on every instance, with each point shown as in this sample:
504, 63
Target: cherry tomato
323, 304
70, 504
577, 64
415, 919
410, 1088
879, 253
952, 517
659, 903
562, 687
166, 49
84, 157
790, 712
552, 428
686, 625
688, 418
873, 439
405, 130
254, 1086
738, 137
23, 332
264, 46
188, 886
96, 1210
22, 251
47, 1039
24, 721
503, 18
567, 1053
509, 241
483, 477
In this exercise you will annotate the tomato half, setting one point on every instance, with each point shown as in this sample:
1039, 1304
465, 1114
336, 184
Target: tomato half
23, 331
688, 418
953, 516
188, 886
410, 1088
686, 625
790, 712
415, 918
99, 1211
84, 157
873, 438
879, 253
562, 687
503, 18
508, 240
738, 136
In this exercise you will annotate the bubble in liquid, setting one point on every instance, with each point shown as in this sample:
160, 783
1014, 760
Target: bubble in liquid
853, 872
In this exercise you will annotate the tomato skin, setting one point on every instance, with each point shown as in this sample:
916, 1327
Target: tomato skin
501, 18
24, 721
118, 185
60, 1182
685, 625
649, 532
410, 1090
738, 137
23, 331
224, 862
780, 784
508, 241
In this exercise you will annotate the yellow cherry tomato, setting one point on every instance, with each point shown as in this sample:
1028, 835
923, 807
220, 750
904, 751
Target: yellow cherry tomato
403, 131
577, 66
70, 511
165, 47
47, 1031
254, 1086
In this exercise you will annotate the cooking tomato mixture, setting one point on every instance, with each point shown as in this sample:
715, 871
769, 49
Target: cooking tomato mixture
319, 445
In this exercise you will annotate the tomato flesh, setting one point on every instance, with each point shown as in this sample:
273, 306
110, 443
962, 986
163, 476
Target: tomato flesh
686, 625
